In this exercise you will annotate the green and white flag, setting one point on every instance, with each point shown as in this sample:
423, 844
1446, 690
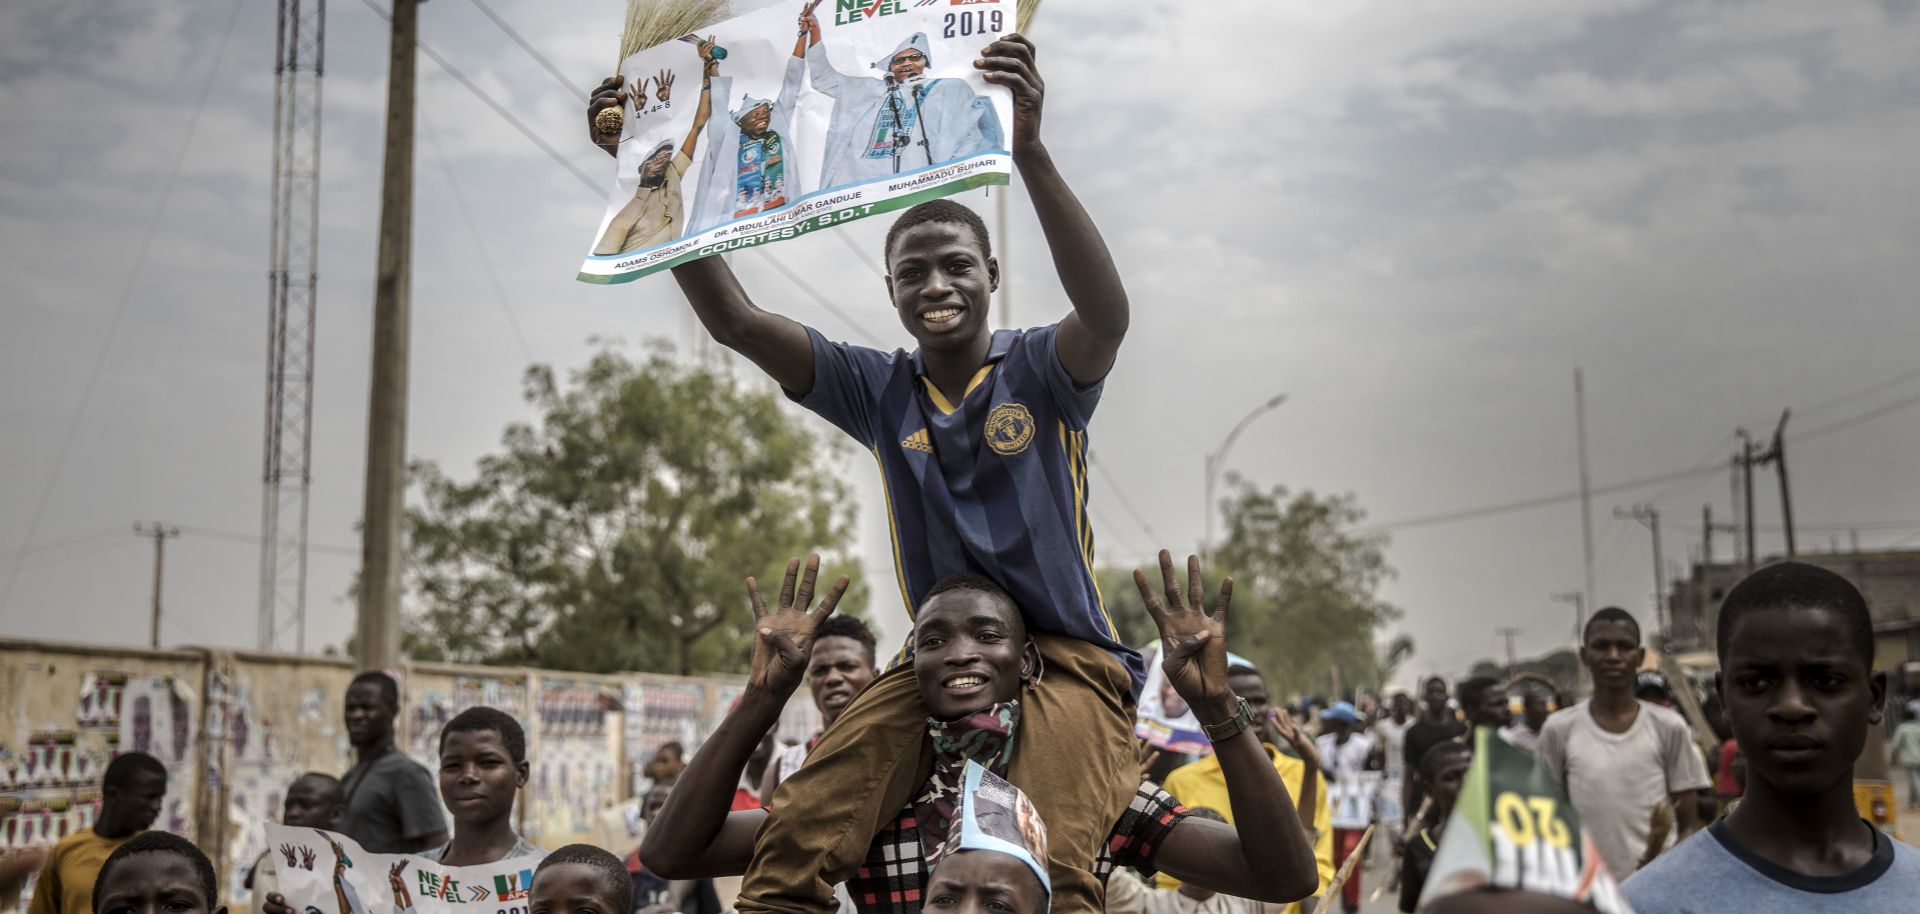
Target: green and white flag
1512, 828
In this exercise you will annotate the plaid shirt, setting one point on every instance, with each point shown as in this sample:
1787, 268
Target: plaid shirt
896, 871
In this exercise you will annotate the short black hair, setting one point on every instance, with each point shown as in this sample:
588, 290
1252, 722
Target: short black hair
1610, 614
127, 766
335, 791
844, 626
480, 719
389, 689
1427, 686
160, 842
679, 751
1797, 584
1472, 689
1440, 752
611, 874
938, 211
978, 583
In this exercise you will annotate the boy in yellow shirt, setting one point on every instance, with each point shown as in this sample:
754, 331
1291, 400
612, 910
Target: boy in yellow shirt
130, 797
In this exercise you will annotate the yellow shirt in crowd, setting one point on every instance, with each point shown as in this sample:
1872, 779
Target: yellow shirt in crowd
1203, 784
66, 881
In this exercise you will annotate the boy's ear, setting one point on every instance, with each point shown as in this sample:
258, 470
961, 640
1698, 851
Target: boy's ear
219, 909
993, 273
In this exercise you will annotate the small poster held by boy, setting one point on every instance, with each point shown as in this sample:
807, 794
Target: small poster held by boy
322, 872
1513, 829
796, 117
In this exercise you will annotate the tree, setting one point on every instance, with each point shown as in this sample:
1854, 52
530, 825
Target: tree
615, 533
1305, 602
1122, 599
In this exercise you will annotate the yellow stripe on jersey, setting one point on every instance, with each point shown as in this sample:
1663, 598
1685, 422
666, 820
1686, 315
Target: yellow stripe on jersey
893, 529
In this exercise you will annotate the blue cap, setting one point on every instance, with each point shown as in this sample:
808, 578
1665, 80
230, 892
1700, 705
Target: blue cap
1342, 711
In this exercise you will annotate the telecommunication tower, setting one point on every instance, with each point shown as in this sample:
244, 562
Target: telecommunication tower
293, 243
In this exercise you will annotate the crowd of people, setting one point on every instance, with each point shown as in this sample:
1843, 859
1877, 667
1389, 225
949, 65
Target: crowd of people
992, 765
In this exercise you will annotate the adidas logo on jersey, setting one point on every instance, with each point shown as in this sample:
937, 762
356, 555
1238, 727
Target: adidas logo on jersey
918, 441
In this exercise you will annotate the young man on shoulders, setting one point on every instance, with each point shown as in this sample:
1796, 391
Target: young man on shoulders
1800, 691
981, 439
1619, 757
976, 666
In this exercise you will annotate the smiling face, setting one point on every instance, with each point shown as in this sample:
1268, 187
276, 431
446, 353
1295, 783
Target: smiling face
1612, 653
369, 716
970, 651
754, 123
941, 282
655, 167
478, 778
1799, 697
907, 65
837, 669
984, 882
154, 882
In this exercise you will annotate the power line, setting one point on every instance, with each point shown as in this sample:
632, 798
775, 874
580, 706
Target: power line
1119, 495
62, 556
792, 277
253, 540
499, 109
1894, 381
533, 52
486, 258
126, 296
73, 541
1628, 485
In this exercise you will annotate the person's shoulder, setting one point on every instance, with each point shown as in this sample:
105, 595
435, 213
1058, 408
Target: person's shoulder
1666, 720
1559, 721
1194, 773
1677, 874
1906, 863
66, 845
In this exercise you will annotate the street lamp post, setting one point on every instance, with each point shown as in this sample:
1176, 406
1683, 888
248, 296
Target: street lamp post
1219, 456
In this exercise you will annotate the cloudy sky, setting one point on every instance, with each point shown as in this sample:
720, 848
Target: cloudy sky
1414, 218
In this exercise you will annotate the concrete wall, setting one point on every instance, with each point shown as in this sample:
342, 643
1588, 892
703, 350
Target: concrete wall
236, 727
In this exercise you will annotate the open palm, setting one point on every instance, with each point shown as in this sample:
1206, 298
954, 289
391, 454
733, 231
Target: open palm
1193, 642
785, 635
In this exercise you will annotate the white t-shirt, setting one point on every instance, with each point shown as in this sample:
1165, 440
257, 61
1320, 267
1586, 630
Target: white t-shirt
1393, 737
1614, 780
1126, 895
1350, 795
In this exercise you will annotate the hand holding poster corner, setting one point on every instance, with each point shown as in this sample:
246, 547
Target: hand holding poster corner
1512, 828
797, 117
322, 872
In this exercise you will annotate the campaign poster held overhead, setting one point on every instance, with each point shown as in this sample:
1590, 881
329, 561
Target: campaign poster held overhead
796, 117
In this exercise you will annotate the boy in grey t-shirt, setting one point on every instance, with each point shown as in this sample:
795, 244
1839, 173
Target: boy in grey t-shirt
1797, 680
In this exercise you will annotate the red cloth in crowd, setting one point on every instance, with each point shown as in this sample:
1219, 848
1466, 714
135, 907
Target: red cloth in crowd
1724, 783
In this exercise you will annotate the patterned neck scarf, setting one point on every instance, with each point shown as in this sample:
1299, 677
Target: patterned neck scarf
986, 737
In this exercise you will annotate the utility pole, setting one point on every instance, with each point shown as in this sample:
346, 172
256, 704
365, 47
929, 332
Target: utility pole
1006, 277
1508, 633
160, 534
379, 616
1707, 529
1586, 496
1219, 456
1777, 455
1649, 516
1747, 460
1579, 630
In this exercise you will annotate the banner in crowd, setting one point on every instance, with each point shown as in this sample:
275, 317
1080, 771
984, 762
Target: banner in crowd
799, 128
1512, 828
1162, 717
322, 872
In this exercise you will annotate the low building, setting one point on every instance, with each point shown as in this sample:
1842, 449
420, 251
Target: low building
1890, 580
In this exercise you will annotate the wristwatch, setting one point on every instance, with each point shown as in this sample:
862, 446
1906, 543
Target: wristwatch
1231, 727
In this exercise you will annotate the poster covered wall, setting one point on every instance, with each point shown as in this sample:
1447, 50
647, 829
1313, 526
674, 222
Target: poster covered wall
796, 117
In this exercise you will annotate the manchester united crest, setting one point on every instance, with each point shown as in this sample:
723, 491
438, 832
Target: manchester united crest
1009, 429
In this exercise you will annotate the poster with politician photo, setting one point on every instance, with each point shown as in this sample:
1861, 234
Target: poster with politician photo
797, 117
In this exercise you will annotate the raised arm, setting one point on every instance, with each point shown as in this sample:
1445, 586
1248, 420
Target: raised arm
704, 110
1267, 856
1308, 803
694, 836
778, 345
1090, 337
809, 30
